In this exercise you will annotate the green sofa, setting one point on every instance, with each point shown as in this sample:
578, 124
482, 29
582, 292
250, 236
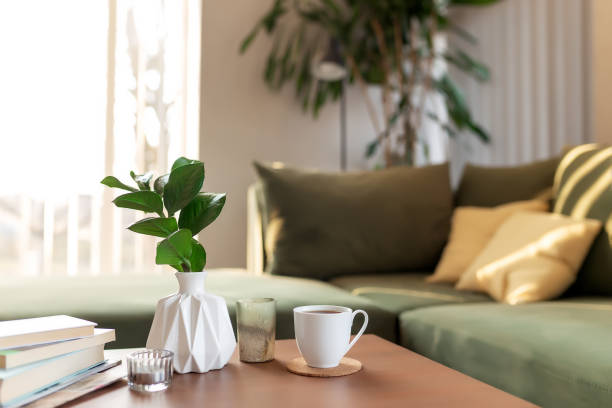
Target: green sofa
127, 303
556, 353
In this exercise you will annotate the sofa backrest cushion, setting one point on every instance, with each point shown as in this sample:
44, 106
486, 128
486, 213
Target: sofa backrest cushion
321, 225
583, 189
483, 186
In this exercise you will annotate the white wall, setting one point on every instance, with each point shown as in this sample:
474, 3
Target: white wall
242, 121
600, 89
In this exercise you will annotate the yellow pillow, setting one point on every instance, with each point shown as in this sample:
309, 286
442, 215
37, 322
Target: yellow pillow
531, 257
471, 230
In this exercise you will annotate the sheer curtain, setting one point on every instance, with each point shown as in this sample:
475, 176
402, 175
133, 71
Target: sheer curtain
536, 101
89, 89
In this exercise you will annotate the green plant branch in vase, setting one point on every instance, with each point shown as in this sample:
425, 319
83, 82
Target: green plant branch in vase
176, 192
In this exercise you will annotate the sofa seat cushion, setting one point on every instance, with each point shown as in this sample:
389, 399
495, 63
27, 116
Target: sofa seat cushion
291, 292
405, 291
551, 353
127, 303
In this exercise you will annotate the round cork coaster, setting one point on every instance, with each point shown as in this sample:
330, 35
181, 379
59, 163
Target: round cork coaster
347, 366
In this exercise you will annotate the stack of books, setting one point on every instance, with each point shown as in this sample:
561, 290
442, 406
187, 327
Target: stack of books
42, 355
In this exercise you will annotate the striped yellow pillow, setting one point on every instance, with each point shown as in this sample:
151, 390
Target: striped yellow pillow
583, 189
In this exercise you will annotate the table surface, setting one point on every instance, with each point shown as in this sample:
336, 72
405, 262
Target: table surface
391, 376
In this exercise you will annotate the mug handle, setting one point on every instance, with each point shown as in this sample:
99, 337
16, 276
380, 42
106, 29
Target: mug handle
365, 324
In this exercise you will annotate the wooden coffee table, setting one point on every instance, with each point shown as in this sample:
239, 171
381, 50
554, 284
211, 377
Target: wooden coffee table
391, 376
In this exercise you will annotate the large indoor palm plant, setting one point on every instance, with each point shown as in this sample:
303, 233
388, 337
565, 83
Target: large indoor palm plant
397, 45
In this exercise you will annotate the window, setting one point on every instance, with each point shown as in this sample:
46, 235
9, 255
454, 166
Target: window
89, 89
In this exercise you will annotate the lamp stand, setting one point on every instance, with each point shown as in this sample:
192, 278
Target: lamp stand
343, 144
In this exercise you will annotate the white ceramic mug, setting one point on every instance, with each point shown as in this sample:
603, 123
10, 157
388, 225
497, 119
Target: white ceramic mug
323, 338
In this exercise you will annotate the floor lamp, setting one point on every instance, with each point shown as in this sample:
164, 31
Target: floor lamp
332, 68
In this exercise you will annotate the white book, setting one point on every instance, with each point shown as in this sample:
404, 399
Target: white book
18, 381
18, 356
71, 387
17, 333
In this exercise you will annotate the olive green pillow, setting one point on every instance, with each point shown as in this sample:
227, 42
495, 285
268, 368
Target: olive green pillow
583, 189
483, 186
321, 225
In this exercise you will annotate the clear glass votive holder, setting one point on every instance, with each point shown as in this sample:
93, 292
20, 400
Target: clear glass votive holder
256, 321
149, 370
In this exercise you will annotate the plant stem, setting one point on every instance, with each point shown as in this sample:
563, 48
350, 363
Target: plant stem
386, 102
386, 92
366, 95
414, 55
428, 74
410, 141
399, 54
409, 134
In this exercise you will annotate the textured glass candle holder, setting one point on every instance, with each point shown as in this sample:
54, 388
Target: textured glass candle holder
149, 370
256, 320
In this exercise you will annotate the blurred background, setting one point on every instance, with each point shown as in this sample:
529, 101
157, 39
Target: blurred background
97, 88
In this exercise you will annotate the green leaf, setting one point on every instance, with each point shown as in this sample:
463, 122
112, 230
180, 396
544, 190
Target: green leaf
183, 185
445, 126
333, 6
114, 182
175, 250
147, 201
158, 227
469, 65
183, 161
246, 42
374, 75
198, 256
456, 105
270, 20
304, 75
473, 2
480, 132
444, 23
287, 64
142, 180
160, 183
201, 211
271, 66
371, 148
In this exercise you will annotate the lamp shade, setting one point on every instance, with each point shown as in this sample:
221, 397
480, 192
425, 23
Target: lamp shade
331, 67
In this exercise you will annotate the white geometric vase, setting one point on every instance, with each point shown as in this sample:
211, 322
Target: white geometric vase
195, 325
